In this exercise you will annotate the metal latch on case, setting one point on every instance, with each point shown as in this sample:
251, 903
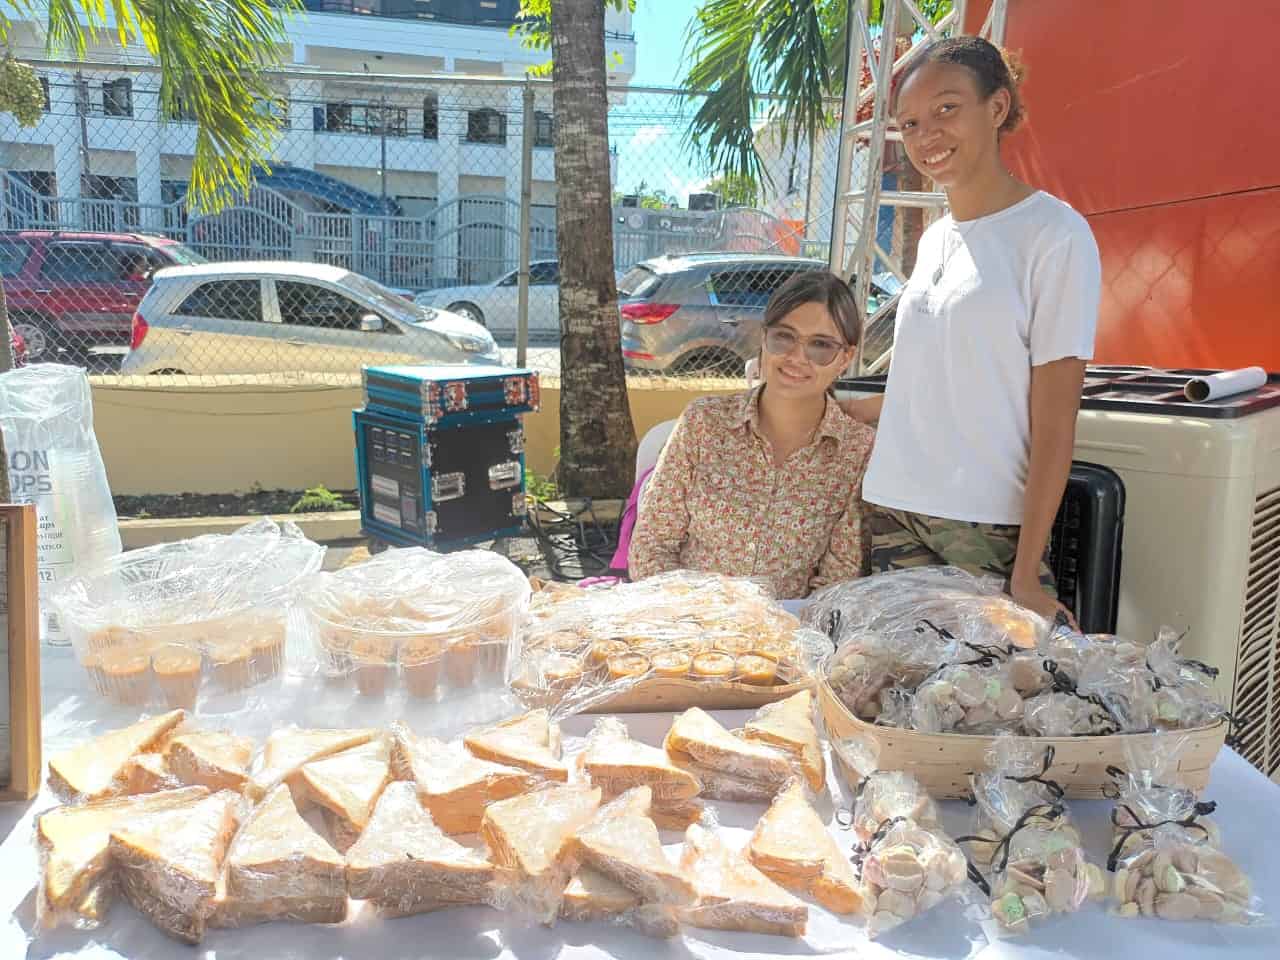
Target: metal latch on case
448, 486
503, 476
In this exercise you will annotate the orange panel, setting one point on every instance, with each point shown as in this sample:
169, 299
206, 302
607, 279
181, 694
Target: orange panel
1192, 284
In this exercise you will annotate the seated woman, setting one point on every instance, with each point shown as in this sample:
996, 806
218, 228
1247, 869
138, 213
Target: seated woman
768, 483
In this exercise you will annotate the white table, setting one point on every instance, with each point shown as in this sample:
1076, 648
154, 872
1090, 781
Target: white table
1249, 814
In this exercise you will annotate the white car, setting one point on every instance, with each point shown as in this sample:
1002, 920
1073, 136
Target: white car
276, 316
494, 304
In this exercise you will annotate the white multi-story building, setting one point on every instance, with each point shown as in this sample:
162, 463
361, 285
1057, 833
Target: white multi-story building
389, 134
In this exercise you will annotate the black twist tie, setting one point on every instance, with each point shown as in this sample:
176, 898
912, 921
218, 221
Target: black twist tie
833, 625
1064, 684
1053, 786
924, 623
863, 850
1202, 809
1041, 811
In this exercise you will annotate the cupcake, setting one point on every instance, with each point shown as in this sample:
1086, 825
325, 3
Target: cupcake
671, 664
421, 660
460, 661
335, 648
126, 675
561, 673
628, 665
602, 651
268, 649
231, 663
757, 670
373, 663
733, 644
92, 663
177, 671
714, 665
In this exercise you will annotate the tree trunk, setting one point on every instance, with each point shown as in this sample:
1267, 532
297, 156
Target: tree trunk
597, 437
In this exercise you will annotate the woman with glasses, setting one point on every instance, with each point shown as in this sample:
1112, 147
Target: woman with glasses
977, 424
767, 483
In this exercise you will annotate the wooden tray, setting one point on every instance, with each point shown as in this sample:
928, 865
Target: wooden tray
942, 762
663, 694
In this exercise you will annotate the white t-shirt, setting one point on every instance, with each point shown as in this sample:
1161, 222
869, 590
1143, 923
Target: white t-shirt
989, 299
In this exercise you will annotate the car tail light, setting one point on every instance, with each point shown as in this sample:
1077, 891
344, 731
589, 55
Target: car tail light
648, 312
139, 333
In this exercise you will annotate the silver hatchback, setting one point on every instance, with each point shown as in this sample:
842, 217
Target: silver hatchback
269, 317
703, 313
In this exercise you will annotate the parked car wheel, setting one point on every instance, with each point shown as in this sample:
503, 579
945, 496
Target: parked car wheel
712, 362
467, 310
42, 337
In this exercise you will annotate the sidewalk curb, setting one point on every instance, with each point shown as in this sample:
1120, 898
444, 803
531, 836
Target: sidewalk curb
320, 527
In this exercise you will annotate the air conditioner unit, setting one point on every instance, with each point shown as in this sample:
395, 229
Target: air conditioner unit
1202, 528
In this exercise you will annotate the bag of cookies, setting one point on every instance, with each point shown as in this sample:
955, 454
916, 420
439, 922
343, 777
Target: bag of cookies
1035, 862
1167, 859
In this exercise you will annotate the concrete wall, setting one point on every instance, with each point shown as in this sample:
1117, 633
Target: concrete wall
223, 437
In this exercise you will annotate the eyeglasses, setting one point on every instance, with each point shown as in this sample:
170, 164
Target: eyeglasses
821, 351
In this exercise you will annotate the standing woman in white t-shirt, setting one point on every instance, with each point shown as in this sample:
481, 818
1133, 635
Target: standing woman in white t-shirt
977, 422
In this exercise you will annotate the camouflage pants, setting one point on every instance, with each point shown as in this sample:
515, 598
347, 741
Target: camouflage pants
900, 540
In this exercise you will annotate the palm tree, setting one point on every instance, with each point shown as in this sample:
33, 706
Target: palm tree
213, 56
597, 436
795, 49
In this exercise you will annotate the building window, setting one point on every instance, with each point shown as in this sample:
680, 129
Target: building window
430, 117
544, 130
117, 98
278, 107
486, 126
44, 90
368, 118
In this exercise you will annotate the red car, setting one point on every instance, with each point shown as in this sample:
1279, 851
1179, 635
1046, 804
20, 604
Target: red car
17, 349
69, 290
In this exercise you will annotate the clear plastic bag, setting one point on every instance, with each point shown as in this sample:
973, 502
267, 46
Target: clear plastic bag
164, 625
1183, 695
585, 646
1026, 839
46, 413
1167, 857
974, 698
430, 622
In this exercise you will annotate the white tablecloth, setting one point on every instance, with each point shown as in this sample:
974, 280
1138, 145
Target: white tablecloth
1249, 813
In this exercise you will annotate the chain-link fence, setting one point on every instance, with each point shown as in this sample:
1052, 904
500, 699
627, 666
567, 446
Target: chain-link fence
389, 205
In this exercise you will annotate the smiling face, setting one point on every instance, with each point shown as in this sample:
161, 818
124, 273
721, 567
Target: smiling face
809, 328
949, 130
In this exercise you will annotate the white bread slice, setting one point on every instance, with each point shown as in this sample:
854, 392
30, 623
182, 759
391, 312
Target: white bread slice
530, 741
211, 758
453, 784
74, 847
289, 749
279, 868
93, 907
530, 835
617, 763
94, 770
791, 846
719, 785
347, 785
147, 773
168, 863
696, 735
405, 863
788, 725
593, 896
622, 843
733, 894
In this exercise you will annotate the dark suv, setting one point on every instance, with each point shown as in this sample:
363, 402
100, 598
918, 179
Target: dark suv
68, 291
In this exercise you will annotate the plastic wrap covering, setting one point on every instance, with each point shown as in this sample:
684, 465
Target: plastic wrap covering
100, 767
886, 795
52, 455
729, 767
530, 835
615, 763
168, 862
622, 843
345, 787
584, 647
908, 868
791, 846
1167, 856
1027, 840
162, 625
591, 895
404, 863
967, 698
732, 893
1183, 695
431, 623
279, 868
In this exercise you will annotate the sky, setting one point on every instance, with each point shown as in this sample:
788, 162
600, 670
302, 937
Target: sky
647, 130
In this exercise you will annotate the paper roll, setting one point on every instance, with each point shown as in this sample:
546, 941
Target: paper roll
1225, 384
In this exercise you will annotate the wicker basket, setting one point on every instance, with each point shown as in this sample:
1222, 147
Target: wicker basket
942, 762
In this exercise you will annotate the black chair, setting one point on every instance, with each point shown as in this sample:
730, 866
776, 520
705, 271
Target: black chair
1085, 547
